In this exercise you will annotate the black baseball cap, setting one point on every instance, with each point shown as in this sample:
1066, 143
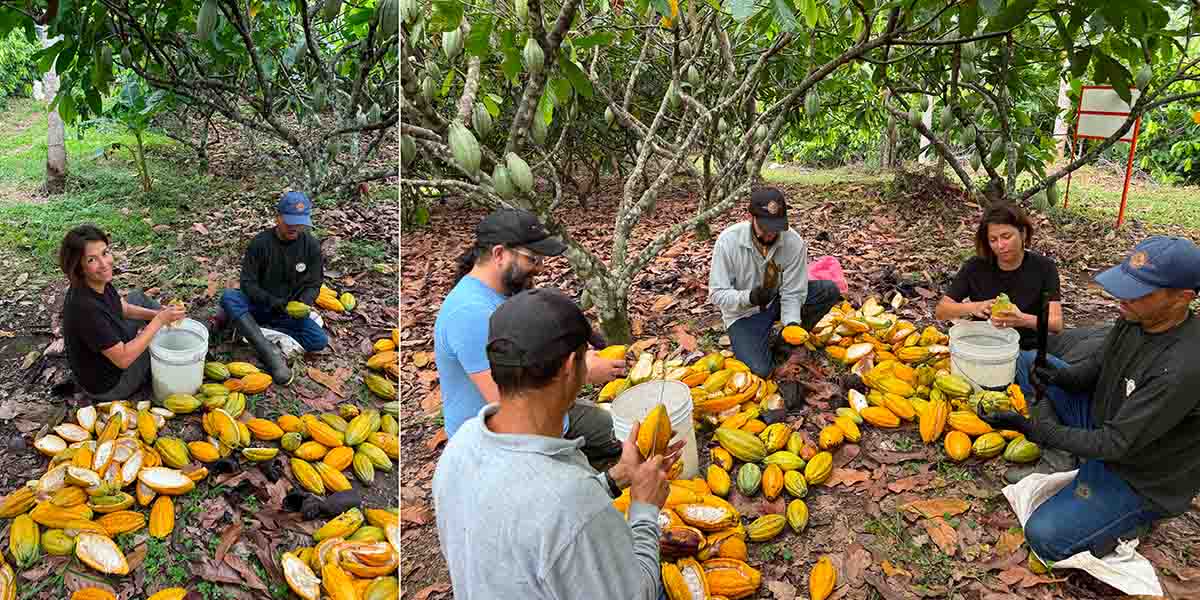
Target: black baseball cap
517, 227
537, 325
769, 208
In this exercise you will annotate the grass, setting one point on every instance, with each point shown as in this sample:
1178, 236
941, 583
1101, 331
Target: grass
816, 177
1097, 195
935, 567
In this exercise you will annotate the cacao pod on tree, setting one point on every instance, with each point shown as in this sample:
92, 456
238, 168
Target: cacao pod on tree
481, 119
331, 9
465, 148
518, 169
452, 43
206, 21
532, 57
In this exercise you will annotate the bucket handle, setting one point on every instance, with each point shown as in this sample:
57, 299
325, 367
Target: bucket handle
964, 375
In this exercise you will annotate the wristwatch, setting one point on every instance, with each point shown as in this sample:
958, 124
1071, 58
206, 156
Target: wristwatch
614, 490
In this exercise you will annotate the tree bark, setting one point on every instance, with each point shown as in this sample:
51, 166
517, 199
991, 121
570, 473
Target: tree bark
56, 148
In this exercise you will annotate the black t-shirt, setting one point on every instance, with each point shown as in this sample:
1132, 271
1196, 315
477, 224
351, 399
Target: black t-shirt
93, 323
981, 279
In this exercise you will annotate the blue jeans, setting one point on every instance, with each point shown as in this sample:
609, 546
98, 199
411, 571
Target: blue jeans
305, 331
1095, 509
751, 336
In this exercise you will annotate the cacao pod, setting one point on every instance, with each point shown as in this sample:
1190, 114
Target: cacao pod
428, 89
323, 434
465, 148
162, 517
968, 423
20, 501
988, 445
241, 369
532, 57
56, 542
933, 420
717, 456
173, 451
609, 117
958, 445
452, 43
693, 76
775, 436
772, 481
765, 528
175, 593
797, 515
255, 383
307, 476
742, 444
339, 458
501, 183
678, 586
831, 437
786, 460
380, 386
101, 554
298, 310
679, 541
794, 335
849, 429
166, 481
822, 579
336, 582
749, 479
900, 407
263, 429
718, 480
24, 541
1142, 79
794, 445
333, 479
300, 578
731, 578
363, 468
388, 442
64, 498
310, 451
654, 435
518, 169
880, 417
122, 521
340, 526
368, 533
331, 9
206, 20
1021, 450
794, 483
203, 452
812, 105
819, 468
291, 441
379, 459
181, 403
259, 454
388, 14
709, 514
111, 502
952, 385
92, 593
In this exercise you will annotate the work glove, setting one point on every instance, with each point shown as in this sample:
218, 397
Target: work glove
762, 296
1009, 419
1044, 376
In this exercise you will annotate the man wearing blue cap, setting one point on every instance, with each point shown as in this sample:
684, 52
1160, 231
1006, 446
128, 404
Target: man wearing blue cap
282, 264
1130, 412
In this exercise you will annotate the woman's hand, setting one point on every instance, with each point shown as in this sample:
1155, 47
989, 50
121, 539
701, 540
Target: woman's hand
170, 314
981, 309
1014, 318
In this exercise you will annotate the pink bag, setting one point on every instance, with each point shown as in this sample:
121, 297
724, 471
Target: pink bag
828, 268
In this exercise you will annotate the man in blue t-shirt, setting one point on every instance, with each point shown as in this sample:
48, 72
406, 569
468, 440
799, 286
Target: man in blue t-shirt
510, 245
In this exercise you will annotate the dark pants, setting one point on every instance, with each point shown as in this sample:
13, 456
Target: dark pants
305, 331
1074, 345
1098, 507
595, 426
138, 373
751, 336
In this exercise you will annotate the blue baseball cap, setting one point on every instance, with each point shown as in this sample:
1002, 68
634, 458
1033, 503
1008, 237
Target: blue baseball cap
1159, 262
295, 208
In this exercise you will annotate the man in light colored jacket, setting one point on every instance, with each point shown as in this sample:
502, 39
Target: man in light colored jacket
520, 513
759, 275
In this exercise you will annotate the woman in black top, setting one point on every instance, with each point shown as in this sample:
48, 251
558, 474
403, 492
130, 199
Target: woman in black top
105, 349
1004, 265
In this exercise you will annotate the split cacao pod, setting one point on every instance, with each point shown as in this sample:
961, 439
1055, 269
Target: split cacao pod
711, 514
727, 543
101, 554
958, 445
731, 578
680, 586
300, 577
822, 579
765, 528
794, 335
680, 541
166, 481
819, 468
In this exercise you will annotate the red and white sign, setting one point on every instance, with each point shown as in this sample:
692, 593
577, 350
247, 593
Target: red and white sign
1100, 114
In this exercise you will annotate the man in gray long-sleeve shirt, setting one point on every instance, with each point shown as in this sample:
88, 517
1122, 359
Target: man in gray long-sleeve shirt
759, 275
520, 512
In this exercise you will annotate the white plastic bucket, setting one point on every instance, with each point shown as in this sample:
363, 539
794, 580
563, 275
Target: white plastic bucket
177, 358
984, 355
633, 404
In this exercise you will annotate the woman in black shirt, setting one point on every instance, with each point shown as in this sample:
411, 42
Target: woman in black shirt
105, 349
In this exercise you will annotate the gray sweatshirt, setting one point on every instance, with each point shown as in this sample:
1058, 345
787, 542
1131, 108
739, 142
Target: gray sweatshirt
526, 516
738, 267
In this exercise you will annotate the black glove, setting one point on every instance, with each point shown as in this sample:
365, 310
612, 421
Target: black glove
762, 296
1047, 375
1008, 419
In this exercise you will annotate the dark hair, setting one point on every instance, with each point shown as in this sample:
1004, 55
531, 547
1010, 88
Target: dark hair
74, 246
473, 255
513, 380
1002, 214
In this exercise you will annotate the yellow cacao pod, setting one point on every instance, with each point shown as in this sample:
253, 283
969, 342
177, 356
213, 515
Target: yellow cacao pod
147, 426
794, 335
831, 437
388, 442
175, 593
334, 480
311, 451
899, 406
988, 445
122, 521
880, 417
822, 579
897, 386
256, 383
731, 578
340, 526
325, 435
335, 581
772, 481
958, 445
239, 370
259, 454
56, 542
765, 528
755, 426
24, 540
216, 371
92, 593
367, 533
20, 501
1021, 450
677, 586
235, 404
330, 302
711, 514
290, 423
363, 468
795, 484
913, 354
379, 459
849, 429
819, 468
717, 456
382, 588
775, 436
307, 476
264, 429
100, 553
795, 443
727, 543
339, 458
379, 360
358, 429
718, 480
797, 515
111, 502
380, 386
952, 385
787, 460
744, 445
181, 404
173, 451
654, 435
933, 420
162, 517
203, 452
968, 423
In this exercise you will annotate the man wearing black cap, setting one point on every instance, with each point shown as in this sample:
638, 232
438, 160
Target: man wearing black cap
510, 245
1131, 412
520, 512
281, 265
760, 275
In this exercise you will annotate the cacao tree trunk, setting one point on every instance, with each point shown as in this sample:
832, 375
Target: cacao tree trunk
1061, 127
56, 147
613, 307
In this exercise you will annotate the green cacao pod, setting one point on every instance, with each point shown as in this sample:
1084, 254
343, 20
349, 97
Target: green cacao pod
388, 14
56, 542
290, 441
786, 460
1142, 79
914, 116
481, 119
532, 57
722, 126
518, 169
968, 72
452, 43
609, 117
502, 182
214, 389
521, 11
674, 97
298, 310
465, 148
812, 103
1021, 450
988, 445
364, 469
744, 445
1052, 193
947, 118
331, 9
924, 103
408, 149
749, 478
975, 163
388, 424
428, 88
206, 21
376, 455
126, 56
760, 133
693, 76
173, 451
538, 129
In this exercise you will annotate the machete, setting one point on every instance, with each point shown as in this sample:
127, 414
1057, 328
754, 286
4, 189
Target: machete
1043, 335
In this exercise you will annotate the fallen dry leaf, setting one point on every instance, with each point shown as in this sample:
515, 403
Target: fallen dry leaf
782, 590
413, 513
200, 228
420, 359
1004, 562
136, 557
250, 578
664, 302
883, 588
1009, 541
214, 282
855, 563
332, 381
641, 345
910, 483
437, 440
685, 340
845, 454
937, 507
942, 534
894, 458
228, 538
426, 592
893, 571
50, 563
847, 477
432, 403
1022, 577
217, 572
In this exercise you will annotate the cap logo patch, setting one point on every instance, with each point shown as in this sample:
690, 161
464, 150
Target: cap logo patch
773, 207
299, 206
1139, 260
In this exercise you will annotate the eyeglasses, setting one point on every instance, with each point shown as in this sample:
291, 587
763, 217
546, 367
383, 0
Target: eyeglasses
536, 259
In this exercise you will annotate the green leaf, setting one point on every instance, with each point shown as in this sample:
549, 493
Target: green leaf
447, 83
662, 7
1013, 14
968, 18
1115, 74
447, 14
479, 40
492, 103
989, 7
742, 9
600, 38
576, 76
787, 19
1080, 60
545, 109
512, 56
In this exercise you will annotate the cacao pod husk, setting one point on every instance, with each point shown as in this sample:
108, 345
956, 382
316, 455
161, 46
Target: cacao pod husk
101, 554
24, 540
822, 579
731, 578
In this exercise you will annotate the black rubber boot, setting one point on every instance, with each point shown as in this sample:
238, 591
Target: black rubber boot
267, 352
216, 325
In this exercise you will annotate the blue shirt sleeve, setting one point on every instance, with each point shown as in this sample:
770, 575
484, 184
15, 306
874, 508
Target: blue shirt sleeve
467, 336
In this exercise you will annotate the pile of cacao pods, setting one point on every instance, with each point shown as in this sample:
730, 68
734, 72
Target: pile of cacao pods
354, 561
387, 360
907, 373
330, 300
